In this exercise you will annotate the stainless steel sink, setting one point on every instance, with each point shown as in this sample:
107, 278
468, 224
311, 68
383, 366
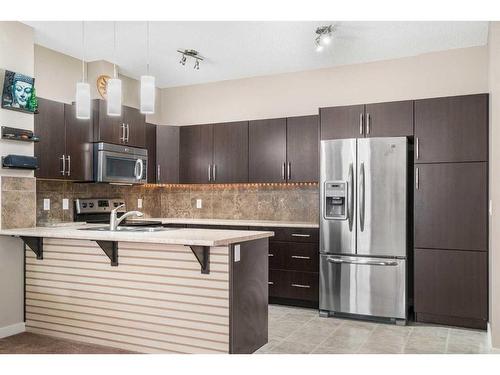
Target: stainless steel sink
128, 229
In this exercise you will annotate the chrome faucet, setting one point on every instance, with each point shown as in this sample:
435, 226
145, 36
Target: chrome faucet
114, 221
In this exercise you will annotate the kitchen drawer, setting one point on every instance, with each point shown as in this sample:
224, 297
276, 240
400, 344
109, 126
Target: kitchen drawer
294, 256
310, 235
294, 285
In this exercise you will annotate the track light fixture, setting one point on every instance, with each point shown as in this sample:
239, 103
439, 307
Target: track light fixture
193, 54
323, 37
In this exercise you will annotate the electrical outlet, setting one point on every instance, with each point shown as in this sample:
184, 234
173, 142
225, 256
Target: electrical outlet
46, 204
198, 203
139, 203
65, 204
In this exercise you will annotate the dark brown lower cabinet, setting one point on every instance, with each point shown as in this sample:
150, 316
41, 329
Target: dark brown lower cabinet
451, 287
294, 266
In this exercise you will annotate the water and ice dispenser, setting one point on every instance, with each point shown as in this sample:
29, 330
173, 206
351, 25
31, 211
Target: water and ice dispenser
335, 200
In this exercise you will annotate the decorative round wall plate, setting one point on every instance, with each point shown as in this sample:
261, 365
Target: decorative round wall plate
102, 85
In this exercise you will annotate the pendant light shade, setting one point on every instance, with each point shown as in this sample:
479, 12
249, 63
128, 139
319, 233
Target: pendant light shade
147, 94
82, 94
114, 88
114, 92
82, 101
147, 84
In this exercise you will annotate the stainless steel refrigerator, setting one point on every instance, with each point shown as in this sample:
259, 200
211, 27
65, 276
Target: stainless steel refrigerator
363, 227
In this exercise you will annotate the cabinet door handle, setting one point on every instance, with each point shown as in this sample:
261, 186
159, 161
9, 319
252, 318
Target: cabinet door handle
128, 133
283, 166
122, 138
301, 235
417, 148
301, 286
417, 178
270, 255
270, 283
63, 170
214, 172
69, 165
300, 257
367, 123
289, 171
209, 172
361, 124
158, 171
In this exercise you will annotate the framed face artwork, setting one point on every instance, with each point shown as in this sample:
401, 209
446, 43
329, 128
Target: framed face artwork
19, 92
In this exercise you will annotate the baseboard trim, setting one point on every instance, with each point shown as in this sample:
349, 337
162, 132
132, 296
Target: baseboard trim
13, 329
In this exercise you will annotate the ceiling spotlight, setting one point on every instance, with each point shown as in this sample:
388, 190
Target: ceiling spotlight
192, 54
323, 36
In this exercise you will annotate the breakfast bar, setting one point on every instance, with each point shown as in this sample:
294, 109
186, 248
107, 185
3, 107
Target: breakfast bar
170, 290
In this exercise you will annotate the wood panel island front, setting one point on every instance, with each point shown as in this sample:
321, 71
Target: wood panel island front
170, 291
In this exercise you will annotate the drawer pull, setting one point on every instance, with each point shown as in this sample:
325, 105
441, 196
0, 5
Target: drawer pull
301, 235
270, 283
270, 255
301, 286
300, 257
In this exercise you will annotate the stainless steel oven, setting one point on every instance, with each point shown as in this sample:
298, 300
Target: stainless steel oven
120, 164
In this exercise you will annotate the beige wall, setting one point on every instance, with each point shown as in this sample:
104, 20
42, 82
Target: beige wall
450, 72
16, 54
56, 74
494, 81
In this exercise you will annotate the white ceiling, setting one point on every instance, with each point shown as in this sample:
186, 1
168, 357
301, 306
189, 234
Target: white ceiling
244, 49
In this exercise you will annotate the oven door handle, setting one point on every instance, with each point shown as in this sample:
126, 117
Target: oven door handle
139, 165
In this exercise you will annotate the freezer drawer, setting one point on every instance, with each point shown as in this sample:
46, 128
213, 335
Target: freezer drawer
363, 286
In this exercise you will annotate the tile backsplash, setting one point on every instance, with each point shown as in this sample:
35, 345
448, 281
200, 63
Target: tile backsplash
17, 198
287, 202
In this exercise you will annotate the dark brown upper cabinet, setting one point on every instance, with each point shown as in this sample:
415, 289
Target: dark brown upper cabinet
392, 119
302, 148
451, 129
267, 150
79, 147
196, 154
214, 153
65, 147
167, 154
135, 127
230, 152
51, 150
129, 128
150, 141
342, 122
451, 202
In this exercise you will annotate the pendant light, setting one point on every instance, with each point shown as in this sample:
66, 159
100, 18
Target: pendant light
82, 96
114, 89
147, 84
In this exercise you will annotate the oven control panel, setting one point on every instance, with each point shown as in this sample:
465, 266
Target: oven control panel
87, 206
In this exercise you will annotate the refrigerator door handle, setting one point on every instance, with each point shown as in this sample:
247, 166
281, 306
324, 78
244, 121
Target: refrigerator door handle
362, 197
350, 197
361, 262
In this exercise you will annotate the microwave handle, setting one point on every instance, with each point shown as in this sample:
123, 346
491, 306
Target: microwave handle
139, 162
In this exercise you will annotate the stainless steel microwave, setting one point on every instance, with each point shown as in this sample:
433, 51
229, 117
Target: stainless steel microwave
120, 164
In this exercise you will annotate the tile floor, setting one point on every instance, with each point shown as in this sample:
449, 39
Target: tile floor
295, 330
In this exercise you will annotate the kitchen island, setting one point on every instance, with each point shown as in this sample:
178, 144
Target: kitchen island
168, 291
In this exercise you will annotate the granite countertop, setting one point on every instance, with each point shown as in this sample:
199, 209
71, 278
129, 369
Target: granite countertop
175, 236
248, 223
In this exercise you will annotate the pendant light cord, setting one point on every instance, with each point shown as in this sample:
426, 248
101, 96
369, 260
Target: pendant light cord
147, 42
114, 48
83, 51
